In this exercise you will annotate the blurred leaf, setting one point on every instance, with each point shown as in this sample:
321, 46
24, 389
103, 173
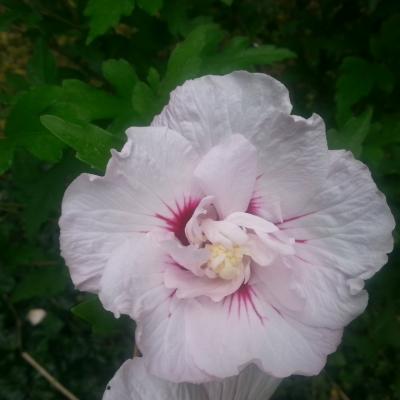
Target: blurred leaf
84, 102
39, 189
185, 61
357, 79
6, 154
201, 53
92, 311
352, 135
105, 14
42, 282
91, 142
121, 75
150, 6
23, 127
153, 79
239, 56
7, 18
354, 83
145, 102
227, 2
386, 45
176, 15
42, 67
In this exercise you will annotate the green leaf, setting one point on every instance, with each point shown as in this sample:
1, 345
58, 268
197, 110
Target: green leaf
227, 2
91, 142
185, 61
356, 80
150, 6
201, 53
121, 75
239, 56
145, 102
105, 14
101, 321
42, 67
42, 282
84, 102
23, 127
354, 83
6, 154
153, 79
352, 135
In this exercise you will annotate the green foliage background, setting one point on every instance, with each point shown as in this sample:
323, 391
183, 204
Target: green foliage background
74, 74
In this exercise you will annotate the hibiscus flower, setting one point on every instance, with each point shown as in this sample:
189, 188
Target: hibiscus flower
132, 382
229, 232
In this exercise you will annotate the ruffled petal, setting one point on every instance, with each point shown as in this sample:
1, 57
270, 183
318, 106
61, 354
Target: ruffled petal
132, 280
162, 337
141, 183
189, 286
293, 165
326, 297
224, 337
348, 225
133, 382
228, 173
199, 340
250, 384
211, 108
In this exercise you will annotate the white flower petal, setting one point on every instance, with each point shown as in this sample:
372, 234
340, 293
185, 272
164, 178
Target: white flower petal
210, 108
189, 286
328, 297
228, 172
226, 336
99, 213
133, 382
250, 384
251, 222
347, 226
293, 165
132, 280
162, 337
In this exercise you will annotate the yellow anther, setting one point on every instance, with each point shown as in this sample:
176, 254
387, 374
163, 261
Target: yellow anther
226, 262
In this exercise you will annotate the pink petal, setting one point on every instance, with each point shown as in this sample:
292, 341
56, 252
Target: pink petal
253, 222
133, 382
100, 213
189, 286
188, 257
246, 328
250, 384
327, 297
132, 280
347, 226
161, 335
293, 165
208, 109
228, 172
193, 229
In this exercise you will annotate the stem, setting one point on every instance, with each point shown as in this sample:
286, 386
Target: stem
53, 381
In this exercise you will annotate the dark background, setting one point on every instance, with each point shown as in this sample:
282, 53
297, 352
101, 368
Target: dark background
95, 67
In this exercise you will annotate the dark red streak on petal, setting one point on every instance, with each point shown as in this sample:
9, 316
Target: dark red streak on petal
254, 205
180, 215
244, 295
293, 218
